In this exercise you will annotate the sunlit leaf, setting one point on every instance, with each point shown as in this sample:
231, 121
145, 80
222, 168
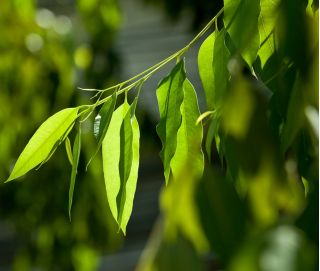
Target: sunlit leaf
221, 76
189, 136
102, 122
126, 157
213, 60
170, 96
75, 161
111, 152
241, 22
205, 58
43, 141
187, 165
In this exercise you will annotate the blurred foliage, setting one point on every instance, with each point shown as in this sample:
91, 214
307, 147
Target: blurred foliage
44, 56
256, 206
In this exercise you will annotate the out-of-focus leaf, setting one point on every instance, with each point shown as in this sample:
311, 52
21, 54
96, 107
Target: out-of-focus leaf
111, 153
170, 97
102, 122
221, 212
165, 252
294, 117
42, 142
267, 21
241, 22
68, 150
75, 161
281, 248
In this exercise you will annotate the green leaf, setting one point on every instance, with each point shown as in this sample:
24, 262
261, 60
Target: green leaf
75, 161
68, 150
187, 166
126, 157
241, 21
43, 141
111, 152
213, 60
102, 122
221, 76
189, 136
267, 21
205, 58
170, 97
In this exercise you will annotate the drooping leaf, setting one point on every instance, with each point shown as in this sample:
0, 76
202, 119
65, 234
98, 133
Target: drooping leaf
241, 22
205, 58
267, 21
40, 145
102, 122
111, 152
170, 96
75, 161
213, 60
126, 157
221, 56
178, 200
68, 150
189, 136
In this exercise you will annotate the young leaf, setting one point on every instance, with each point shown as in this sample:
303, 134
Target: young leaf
121, 208
43, 141
205, 58
189, 136
241, 21
170, 96
102, 122
75, 161
68, 150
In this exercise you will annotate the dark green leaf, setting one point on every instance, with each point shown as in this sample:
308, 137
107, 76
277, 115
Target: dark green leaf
170, 97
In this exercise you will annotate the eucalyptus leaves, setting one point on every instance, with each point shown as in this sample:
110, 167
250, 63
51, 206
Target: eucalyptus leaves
247, 37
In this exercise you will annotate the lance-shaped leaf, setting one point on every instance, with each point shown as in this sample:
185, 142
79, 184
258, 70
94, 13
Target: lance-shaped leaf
75, 161
189, 136
121, 208
102, 122
241, 22
43, 141
205, 58
126, 153
213, 59
170, 96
